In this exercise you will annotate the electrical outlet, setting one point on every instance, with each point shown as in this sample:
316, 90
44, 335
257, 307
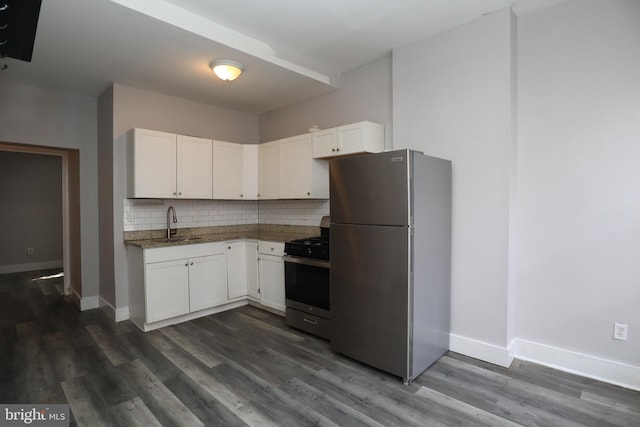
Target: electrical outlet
620, 331
29, 251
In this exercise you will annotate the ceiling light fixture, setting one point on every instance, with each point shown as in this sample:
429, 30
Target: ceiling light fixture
226, 69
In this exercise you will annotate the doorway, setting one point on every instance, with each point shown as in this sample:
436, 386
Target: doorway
70, 195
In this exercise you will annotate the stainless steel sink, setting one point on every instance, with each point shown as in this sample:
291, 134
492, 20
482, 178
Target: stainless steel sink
181, 239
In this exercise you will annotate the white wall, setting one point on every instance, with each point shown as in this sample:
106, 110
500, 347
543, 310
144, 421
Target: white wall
30, 115
365, 94
579, 182
546, 231
453, 98
31, 195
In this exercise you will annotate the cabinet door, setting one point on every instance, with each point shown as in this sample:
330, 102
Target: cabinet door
295, 167
324, 143
271, 270
167, 289
252, 270
236, 270
250, 171
194, 168
350, 139
228, 174
207, 281
152, 170
268, 170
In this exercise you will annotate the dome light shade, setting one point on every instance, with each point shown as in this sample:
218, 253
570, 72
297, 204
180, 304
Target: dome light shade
226, 69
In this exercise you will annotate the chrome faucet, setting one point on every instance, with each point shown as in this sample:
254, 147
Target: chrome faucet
175, 220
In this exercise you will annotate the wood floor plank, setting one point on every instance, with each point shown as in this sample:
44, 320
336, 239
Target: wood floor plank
483, 417
136, 345
134, 413
335, 410
181, 336
221, 392
115, 355
86, 407
165, 405
270, 399
208, 409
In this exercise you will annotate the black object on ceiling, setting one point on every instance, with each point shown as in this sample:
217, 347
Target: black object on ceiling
18, 24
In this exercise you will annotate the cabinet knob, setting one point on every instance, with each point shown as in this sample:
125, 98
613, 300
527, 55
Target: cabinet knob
228, 247
258, 194
180, 193
308, 194
337, 149
191, 263
241, 195
186, 265
333, 149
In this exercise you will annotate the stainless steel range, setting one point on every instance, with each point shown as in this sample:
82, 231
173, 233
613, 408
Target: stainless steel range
306, 279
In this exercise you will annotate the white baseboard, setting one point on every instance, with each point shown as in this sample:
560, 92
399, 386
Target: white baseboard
585, 365
117, 314
501, 356
84, 303
31, 266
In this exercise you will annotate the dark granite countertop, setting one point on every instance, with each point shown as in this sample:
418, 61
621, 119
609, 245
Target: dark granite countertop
189, 236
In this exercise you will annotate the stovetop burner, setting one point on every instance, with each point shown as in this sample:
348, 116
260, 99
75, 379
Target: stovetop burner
311, 247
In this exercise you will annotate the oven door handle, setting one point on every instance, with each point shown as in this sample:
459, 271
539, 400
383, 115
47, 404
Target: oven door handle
307, 261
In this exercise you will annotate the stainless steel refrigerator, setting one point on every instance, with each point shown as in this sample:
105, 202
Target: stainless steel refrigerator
390, 259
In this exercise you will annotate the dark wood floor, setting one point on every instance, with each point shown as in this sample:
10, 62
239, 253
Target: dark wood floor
245, 367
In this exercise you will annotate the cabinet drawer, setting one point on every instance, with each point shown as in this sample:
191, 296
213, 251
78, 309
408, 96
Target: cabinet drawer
183, 251
271, 248
308, 322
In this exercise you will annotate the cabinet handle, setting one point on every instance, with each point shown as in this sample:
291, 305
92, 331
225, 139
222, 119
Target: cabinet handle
310, 320
191, 263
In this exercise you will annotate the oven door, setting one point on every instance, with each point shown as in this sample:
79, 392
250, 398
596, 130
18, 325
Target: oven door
306, 283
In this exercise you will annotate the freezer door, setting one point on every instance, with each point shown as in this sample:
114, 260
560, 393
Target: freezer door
370, 189
369, 295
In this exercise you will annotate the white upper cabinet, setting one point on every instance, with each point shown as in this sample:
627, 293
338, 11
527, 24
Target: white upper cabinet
194, 168
268, 170
164, 165
152, 164
228, 170
301, 176
167, 166
362, 137
250, 188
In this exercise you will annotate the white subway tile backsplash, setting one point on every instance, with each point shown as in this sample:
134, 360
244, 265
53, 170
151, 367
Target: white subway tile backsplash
147, 214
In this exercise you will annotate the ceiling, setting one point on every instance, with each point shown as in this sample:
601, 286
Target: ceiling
292, 50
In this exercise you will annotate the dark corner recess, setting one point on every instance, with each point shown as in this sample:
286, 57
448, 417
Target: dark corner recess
18, 24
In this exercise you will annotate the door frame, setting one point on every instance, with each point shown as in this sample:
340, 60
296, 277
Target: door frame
70, 258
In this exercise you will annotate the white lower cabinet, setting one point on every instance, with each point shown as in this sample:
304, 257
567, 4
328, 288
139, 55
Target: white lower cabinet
271, 274
207, 281
167, 290
178, 283
252, 270
236, 269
